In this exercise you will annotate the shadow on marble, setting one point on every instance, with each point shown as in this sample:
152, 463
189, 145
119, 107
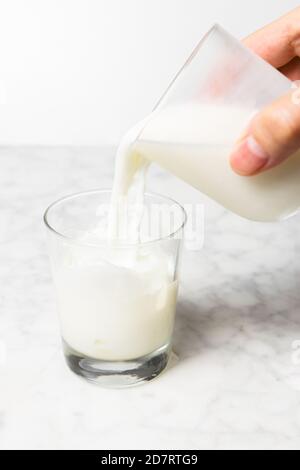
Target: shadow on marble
231, 322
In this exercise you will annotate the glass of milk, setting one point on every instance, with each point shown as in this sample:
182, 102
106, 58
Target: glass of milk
116, 300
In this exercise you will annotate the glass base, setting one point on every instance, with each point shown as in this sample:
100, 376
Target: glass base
118, 374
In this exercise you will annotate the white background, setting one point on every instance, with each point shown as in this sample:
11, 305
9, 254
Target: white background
82, 71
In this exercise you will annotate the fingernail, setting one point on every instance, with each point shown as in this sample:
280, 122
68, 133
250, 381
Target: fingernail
248, 157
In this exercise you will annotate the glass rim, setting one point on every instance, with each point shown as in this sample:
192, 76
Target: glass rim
121, 244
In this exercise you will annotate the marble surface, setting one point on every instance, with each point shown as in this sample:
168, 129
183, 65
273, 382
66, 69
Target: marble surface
237, 382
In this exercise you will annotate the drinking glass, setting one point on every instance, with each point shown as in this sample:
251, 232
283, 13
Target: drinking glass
116, 301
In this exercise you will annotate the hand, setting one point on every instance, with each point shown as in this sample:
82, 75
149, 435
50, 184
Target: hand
274, 133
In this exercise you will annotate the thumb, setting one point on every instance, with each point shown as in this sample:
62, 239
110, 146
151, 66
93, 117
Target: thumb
272, 136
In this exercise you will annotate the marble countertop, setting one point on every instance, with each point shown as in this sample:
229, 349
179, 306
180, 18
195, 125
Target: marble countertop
237, 381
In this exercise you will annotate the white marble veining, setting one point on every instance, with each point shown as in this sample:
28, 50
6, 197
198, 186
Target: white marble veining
237, 381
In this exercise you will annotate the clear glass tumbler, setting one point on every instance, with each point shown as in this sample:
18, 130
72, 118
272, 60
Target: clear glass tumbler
116, 301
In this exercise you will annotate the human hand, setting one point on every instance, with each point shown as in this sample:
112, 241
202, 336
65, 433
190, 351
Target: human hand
274, 133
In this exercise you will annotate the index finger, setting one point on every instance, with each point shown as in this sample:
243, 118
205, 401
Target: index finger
278, 42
